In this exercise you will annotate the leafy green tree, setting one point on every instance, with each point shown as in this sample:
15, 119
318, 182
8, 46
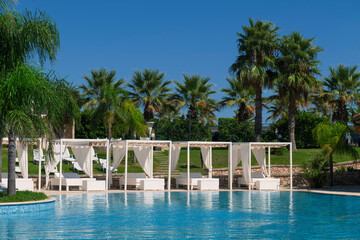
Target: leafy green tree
342, 87
104, 95
239, 96
150, 90
231, 130
24, 36
297, 67
30, 105
254, 66
195, 93
332, 140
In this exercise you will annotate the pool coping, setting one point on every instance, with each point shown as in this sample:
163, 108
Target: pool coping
319, 191
48, 200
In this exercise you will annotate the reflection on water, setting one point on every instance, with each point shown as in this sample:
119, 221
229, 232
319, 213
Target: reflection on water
195, 214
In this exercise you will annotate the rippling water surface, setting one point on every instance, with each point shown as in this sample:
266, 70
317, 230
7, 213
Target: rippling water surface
221, 215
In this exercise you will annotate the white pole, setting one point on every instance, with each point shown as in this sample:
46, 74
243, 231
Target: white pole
230, 172
91, 164
152, 161
291, 174
61, 161
169, 175
188, 166
126, 164
249, 159
269, 160
108, 152
40, 158
210, 170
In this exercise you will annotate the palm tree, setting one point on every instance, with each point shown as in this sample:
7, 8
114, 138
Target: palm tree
104, 95
342, 87
150, 90
332, 140
22, 37
239, 96
257, 47
25, 98
195, 94
297, 69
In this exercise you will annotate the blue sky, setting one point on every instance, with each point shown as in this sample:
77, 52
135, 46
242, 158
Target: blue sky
192, 37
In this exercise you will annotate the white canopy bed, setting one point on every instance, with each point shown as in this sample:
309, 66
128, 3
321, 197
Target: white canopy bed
241, 152
83, 152
192, 180
143, 150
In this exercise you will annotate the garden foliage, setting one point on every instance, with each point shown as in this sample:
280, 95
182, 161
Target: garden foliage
230, 130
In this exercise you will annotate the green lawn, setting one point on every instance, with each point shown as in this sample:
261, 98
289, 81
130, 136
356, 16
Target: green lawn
220, 160
23, 196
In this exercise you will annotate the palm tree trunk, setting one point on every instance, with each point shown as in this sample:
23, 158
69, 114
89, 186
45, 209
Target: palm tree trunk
331, 171
258, 116
1, 135
11, 164
148, 113
292, 115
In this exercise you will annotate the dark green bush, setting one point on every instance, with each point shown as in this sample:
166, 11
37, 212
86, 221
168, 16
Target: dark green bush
315, 171
230, 130
89, 128
305, 123
178, 130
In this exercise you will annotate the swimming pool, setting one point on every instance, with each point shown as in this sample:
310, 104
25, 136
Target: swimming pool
264, 215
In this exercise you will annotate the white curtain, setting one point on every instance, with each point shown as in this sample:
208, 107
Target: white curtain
236, 159
175, 153
118, 155
53, 161
144, 156
23, 159
259, 154
83, 157
206, 156
246, 164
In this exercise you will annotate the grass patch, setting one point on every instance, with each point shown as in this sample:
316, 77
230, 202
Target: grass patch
23, 196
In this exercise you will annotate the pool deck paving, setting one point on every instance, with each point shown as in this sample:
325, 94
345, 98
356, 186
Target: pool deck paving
337, 190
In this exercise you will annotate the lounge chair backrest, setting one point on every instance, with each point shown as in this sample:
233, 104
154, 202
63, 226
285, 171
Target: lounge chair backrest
36, 153
192, 175
71, 175
257, 175
136, 175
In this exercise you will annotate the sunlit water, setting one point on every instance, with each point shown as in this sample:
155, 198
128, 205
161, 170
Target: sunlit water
262, 215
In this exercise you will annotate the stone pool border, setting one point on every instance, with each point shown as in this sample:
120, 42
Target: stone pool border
30, 206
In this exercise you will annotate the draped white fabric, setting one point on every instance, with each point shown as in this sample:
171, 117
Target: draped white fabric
206, 156
144, 156
236, 159
83, 157
246, 164
118, 155
53, 161
175, 153
259, 154
23, 159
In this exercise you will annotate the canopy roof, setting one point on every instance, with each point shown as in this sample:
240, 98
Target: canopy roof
202, 144
84, 142
262, 144
136, 143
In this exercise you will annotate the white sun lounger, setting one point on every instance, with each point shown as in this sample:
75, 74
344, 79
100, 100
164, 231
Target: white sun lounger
67, 157
197, 181
260, 182
36, 157
74, 180
76, 167
21, 183
103, 165
140, 181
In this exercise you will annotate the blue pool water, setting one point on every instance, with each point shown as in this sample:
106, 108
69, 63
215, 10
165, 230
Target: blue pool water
195, 215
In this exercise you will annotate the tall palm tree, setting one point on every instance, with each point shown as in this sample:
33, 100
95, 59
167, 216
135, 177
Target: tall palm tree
25, 98
22, 37
342, 87
332, 140
297, 67
257, 47
104, 95
195, 94
239, 96
150, 90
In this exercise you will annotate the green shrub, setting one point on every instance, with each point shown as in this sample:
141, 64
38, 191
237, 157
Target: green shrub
230, 130
315, 171
89, 128
305, 123
178, 130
